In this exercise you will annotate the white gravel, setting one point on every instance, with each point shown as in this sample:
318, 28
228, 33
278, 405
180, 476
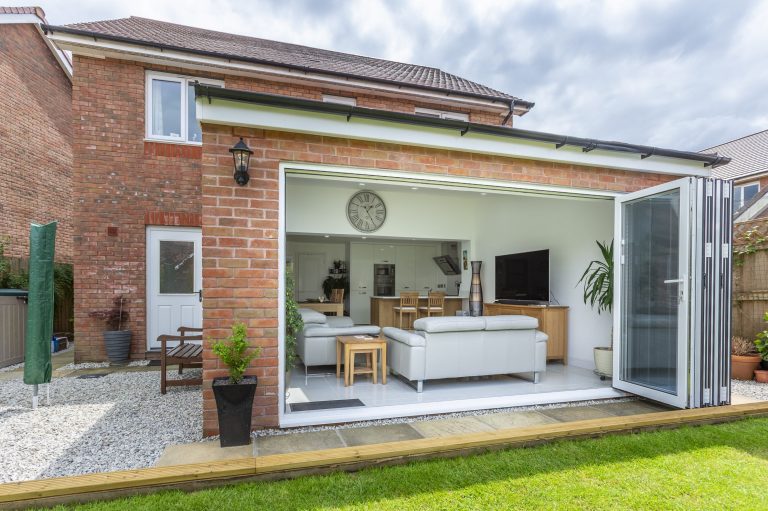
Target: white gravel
750, 389
100, 365
119, 421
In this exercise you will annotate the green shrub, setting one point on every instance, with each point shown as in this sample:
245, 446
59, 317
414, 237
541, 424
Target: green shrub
293, 323
233, 352
761, 343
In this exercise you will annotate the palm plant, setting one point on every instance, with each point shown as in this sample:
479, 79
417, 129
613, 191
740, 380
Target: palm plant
598, 280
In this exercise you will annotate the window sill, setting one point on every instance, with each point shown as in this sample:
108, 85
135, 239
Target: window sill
170, 141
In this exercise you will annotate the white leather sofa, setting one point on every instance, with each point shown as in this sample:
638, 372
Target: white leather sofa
456, 346
316, 343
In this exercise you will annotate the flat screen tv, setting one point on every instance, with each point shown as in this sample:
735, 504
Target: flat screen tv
523, 277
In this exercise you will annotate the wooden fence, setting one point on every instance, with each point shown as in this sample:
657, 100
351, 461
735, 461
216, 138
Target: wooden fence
750, 277
63, 311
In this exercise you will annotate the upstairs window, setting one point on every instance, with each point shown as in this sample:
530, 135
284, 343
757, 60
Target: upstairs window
441, 114
170, 111
744, 193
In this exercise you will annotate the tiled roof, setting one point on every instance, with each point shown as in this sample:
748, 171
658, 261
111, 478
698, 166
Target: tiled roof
197, 40
37, 11
749, 155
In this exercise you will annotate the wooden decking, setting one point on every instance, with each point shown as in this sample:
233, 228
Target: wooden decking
127, 482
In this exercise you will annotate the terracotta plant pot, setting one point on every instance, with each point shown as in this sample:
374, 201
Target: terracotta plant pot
743, 366
761, 376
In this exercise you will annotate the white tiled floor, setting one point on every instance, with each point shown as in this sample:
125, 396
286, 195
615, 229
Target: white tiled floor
558, 384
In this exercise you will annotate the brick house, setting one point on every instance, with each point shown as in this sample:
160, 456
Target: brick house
35, 113
748, 170
157, 108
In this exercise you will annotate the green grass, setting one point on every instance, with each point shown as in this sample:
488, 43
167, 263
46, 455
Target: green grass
708, 467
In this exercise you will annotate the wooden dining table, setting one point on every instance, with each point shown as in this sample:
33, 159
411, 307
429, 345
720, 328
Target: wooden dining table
331, 307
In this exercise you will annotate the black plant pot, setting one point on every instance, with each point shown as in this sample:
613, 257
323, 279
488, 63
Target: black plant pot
764, 365
118, 345
234, 404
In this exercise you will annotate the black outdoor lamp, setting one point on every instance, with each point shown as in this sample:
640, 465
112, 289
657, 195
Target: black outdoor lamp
242, 156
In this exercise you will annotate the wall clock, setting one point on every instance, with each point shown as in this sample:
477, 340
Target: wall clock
366, 211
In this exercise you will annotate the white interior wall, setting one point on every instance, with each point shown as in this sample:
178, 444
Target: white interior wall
331, 250
569, 229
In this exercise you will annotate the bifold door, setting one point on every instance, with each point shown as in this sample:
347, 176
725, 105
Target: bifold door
672, 293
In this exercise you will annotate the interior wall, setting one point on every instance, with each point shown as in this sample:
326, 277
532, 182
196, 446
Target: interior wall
569, 229
331, 250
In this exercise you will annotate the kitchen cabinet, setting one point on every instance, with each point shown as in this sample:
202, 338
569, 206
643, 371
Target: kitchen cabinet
383, 254
405, 272
425, 268
361, 258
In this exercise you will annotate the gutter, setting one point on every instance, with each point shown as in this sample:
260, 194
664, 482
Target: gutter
586, 144
52, 29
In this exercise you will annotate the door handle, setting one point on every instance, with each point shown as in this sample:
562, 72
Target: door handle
200, 295
674, 281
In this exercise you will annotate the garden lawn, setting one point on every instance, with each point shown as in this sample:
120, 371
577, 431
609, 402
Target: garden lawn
707, 467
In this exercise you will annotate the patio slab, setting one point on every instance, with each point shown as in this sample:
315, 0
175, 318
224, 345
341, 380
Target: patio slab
201, 452
506, 420
379, 434
282, 444
622, 409
576, 413
450, 427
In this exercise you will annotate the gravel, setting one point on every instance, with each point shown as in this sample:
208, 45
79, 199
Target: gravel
750, 389
115, 422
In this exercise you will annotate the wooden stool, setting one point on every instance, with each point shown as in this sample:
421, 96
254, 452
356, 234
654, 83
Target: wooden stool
371, 367
409, 304
348, 346
435, 304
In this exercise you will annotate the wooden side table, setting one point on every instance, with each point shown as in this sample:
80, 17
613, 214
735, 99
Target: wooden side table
349, 345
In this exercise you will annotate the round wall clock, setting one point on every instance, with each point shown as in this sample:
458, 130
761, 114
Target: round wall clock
366, 211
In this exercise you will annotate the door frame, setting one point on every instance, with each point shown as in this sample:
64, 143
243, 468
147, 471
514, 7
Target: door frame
151, 279
681, 398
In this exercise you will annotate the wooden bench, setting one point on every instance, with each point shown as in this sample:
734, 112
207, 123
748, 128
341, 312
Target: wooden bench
189, 355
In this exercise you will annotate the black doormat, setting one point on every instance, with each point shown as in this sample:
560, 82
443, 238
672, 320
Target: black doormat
325, 405
91, 376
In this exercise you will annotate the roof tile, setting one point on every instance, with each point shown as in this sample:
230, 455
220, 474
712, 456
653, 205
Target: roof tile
749, 155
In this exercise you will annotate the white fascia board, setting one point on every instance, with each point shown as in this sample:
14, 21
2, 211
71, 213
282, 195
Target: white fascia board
238, 113
83, 45
12, 19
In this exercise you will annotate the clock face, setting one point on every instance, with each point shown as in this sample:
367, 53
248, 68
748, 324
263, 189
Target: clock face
366, 211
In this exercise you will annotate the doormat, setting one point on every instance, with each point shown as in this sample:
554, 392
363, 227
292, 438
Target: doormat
154, 363
325, 405
91, 376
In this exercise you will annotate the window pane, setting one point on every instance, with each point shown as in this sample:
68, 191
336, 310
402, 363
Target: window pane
193, 127
177, 267
750, 191
166, 108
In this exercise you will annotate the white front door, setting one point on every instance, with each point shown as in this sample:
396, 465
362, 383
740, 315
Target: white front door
174, 281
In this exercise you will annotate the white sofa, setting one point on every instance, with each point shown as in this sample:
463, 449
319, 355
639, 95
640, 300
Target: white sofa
455, 347
316, 343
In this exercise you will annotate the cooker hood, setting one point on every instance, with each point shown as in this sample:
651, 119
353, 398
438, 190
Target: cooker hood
447, 264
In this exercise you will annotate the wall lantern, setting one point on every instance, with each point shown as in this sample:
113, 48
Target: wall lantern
242, 156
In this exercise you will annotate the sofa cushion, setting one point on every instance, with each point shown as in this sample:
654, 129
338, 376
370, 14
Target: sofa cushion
510, 323
351, 330
339, 321
408, 338
449, 324
310, 316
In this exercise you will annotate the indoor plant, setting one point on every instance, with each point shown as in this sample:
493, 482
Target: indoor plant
330, 283
598, 293
234, 394
116, 340
744, 358
293, 325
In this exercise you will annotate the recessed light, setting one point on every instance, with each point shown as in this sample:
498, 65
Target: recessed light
414, 188
361, 184
327, 236
483, 193
365, 237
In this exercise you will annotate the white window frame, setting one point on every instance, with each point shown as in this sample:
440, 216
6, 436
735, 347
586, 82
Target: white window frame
184, 81
738, 192
442, 114
341, 100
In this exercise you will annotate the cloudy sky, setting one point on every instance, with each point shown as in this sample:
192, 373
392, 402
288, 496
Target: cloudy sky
685, 74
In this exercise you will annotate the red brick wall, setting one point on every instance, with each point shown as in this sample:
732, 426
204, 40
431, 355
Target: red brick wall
240, 228
35, 135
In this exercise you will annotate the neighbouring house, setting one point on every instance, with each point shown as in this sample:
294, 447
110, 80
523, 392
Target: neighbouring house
391, 177
748, 170
35, 133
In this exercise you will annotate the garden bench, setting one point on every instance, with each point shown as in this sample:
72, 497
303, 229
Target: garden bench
184, 354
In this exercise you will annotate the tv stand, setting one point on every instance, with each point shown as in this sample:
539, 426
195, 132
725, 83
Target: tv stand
506, 301
553, 321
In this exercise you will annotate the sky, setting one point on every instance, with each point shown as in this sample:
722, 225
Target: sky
683, 74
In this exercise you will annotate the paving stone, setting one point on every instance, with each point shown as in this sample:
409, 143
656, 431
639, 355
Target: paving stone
281, 444
515, 419
576, 413
625, 408
379, 434
448, 427
201, 452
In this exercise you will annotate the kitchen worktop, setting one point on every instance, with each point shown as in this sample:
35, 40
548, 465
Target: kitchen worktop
383, 309
447, 297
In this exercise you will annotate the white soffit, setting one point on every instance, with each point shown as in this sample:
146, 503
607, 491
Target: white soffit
239, 113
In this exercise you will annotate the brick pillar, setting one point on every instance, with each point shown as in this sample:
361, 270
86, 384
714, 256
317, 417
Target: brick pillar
240, 265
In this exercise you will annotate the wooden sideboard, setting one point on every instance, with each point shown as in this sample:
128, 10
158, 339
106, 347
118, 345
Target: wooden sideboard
553, 321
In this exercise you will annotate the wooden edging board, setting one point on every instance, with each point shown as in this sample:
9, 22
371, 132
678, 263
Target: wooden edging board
125, 482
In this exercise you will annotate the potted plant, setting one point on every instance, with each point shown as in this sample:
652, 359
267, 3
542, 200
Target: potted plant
234, 394
744, 358
330, 283
116, 340
598, 293
761, 345
293, 325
